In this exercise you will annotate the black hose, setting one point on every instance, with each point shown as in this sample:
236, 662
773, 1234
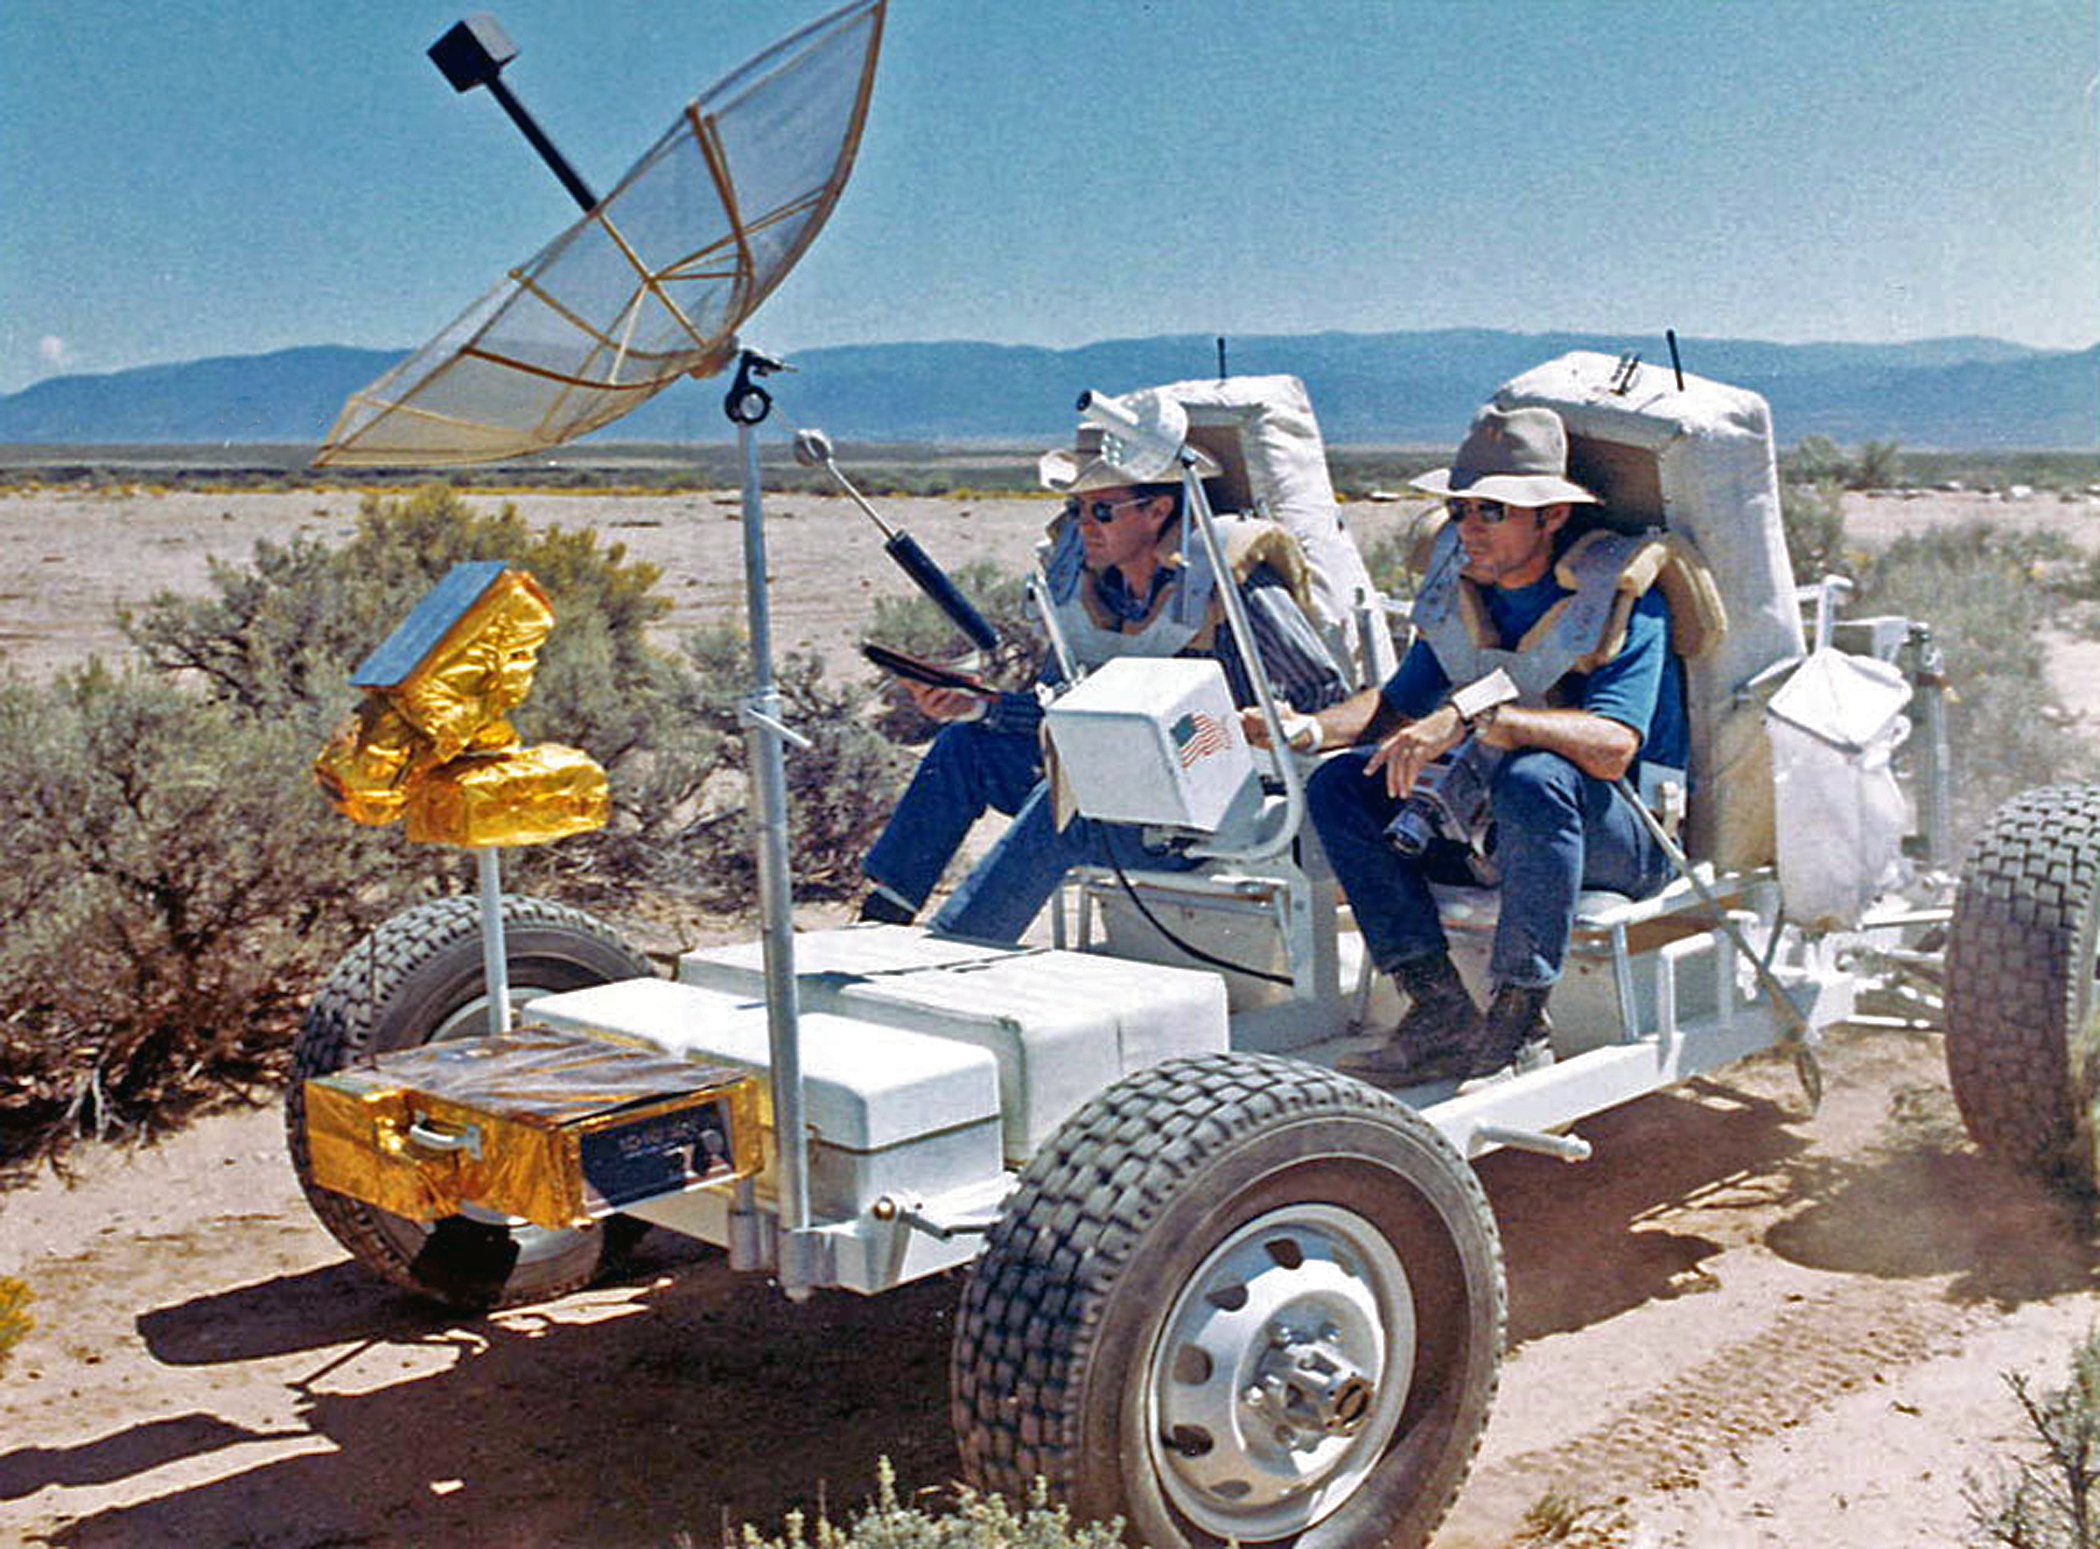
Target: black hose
1192, 950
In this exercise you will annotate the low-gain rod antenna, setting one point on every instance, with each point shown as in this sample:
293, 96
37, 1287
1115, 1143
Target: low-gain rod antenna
1675, 364
473, 54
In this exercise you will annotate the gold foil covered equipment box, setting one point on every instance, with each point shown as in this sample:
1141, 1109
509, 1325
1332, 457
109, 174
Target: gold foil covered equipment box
558, 1128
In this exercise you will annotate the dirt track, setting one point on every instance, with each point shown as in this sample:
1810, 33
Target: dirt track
1737, 1324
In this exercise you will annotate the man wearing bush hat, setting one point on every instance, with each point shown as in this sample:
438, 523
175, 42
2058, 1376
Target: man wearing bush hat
1587, 713
1125, 579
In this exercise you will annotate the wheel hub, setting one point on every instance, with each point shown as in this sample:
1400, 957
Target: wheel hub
1281, 1371
1309, 1387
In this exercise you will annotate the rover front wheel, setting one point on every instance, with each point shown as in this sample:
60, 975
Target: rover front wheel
1237, 1299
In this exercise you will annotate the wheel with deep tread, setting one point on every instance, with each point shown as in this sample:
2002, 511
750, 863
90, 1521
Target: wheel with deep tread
1236, 1298
419, 978
2023, 1048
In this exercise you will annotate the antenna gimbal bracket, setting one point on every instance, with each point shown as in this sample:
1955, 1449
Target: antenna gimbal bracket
746, 403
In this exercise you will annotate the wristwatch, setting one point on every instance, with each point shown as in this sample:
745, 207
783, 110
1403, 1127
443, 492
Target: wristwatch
1478, 701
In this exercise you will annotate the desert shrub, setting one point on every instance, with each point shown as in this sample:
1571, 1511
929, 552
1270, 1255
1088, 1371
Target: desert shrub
978, 1522
2047, 1500
1813, 519
1877, 465
171, 884
1818, 460
840, 789
914, 623
15, 1321
1977, 586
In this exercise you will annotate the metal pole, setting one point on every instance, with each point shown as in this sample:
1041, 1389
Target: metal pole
1257, 677
763, 736
495, 961
1928, 678
1723, 919
535, 136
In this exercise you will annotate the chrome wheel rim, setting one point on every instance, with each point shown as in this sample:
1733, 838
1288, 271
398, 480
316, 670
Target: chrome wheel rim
1280, 1372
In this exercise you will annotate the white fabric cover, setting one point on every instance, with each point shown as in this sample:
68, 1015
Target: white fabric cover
1262, 432
1835, 726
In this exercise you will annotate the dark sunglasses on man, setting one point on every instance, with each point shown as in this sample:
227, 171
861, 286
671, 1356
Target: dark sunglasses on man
1486, 512
1102, 511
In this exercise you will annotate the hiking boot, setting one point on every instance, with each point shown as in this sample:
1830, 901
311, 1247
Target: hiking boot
1434, 1041
1516, 1039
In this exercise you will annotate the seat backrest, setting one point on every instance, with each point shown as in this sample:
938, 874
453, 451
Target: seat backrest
1697, 460
1267, 443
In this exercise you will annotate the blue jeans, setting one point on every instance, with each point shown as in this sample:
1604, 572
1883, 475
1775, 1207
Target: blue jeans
969, 770
1557, 832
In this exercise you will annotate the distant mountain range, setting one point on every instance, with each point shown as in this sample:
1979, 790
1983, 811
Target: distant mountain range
1415, 388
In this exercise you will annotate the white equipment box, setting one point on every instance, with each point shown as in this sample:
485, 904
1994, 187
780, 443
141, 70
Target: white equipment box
1061, 1025
1152, 740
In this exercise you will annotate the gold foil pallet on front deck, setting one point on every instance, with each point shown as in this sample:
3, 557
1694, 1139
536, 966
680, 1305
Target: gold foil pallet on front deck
560, 1129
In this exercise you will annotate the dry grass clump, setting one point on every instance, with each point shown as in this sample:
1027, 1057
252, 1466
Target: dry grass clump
15, 1321
978, 1522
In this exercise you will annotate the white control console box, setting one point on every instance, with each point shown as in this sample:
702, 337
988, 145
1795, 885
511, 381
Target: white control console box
1152, 740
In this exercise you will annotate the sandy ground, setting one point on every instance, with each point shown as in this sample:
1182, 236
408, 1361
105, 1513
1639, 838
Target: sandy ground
1739, 1324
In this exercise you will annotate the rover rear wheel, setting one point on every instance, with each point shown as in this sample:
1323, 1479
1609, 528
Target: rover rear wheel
419, 978
2023, 1045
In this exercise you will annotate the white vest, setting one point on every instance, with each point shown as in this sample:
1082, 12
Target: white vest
1178, 616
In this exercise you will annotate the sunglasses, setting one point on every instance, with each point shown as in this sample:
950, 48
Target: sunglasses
1103, 511
1485, 512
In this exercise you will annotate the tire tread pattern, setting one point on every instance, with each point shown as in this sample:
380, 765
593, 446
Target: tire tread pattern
1029, 1317
2019, 980
339, 1026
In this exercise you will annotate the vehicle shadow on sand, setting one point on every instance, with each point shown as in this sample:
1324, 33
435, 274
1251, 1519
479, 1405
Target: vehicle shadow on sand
1585, 1242
1882, 1183
666, 1403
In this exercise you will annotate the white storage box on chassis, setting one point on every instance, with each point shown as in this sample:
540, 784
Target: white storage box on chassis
890, 1112
1061, 1025
1152, 740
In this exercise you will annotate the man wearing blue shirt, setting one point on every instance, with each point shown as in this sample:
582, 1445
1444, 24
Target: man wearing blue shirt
1579, 725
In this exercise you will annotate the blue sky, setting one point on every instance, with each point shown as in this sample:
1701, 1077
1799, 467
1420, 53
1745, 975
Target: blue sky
181, 180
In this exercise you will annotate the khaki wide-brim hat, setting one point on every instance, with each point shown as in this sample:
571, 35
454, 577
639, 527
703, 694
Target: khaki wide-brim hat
1517, 456
1088, 465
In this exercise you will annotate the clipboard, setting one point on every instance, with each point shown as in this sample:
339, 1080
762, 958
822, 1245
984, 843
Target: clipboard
919, 670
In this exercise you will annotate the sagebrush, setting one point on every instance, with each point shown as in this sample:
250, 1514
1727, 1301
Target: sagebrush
978, 1522
2047, 1499
1987, 593
173, 885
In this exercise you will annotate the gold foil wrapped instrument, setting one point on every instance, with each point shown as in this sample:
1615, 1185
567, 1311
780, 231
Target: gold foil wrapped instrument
560, 1129
431, 740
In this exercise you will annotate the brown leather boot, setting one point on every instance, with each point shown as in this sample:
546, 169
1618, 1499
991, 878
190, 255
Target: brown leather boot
1435, 1040
1517, 1038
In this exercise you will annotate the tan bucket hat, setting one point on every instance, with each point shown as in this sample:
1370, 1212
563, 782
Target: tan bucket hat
1518, 456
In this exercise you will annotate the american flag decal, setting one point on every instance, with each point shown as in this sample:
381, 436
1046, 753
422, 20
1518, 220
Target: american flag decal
1197, 735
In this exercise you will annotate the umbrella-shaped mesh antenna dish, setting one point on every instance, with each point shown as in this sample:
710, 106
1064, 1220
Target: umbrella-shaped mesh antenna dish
653, 283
